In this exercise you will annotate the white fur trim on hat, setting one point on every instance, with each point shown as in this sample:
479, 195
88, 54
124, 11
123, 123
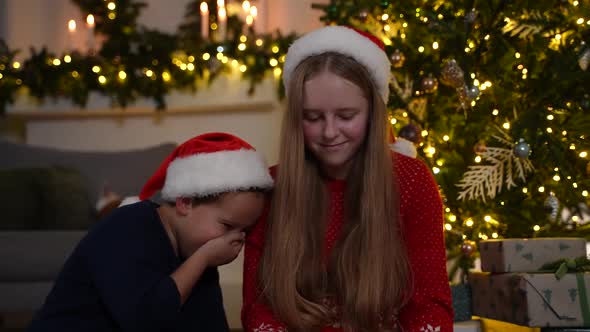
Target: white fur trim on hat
405, 147
346, 41
217, 172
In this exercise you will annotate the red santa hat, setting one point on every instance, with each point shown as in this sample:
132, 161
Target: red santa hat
365, 48
209, 164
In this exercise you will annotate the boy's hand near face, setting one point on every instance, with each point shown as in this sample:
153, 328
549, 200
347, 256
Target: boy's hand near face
215, 252
222, 250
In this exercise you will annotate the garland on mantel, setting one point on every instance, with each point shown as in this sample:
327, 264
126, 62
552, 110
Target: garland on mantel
134, 61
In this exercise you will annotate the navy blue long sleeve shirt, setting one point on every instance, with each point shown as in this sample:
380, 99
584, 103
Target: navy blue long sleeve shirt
118, 279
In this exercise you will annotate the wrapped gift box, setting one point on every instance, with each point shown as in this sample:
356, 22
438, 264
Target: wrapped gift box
527, 255
535, 300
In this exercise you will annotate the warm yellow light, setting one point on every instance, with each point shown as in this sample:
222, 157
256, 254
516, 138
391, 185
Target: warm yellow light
550, 117
149, 73
386, 27
572, 146
469, 222
506, 125
564, 133
405, 115
112, 16
487, 37
541, 189
467, 49
403, 35
583, 154
75, 74
96, 69
56, 62
435, 170
441, 162
1, 76
435, 45
421, 49
183, 66
275, 49
575, 218
122, 75
537, 228
242, 47
580, 21
549, 130
575, 185
424, 132
393, 121
384, 17
90, 20
246, 5
278, 72
72, 25
235, 63
448, 227
517, 55
67, 59
446, 138
214, 26
495, 235
16, 65
476, 82
453, 218
219, 56
102, 79
111, 6
495, 112
585, 193
225, 59
243, 38
478, 159
430, 150
206, 56
556, 178
273, 62
190, 66
254, 11
525, 190
243, 68
487, 218
405, 25
166, 76
259, 42
558, 37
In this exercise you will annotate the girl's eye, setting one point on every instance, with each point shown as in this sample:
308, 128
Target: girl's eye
311, 118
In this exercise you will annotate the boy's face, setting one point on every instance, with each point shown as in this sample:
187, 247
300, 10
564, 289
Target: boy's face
232, 212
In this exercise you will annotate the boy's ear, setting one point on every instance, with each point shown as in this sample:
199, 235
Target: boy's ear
183, 205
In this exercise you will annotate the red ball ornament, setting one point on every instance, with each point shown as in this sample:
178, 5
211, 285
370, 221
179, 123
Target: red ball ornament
468, 247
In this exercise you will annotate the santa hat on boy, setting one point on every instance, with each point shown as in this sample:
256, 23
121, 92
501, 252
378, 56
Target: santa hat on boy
207, 165
365, 48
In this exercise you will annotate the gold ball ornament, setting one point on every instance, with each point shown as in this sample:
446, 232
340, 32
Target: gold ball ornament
397, 59
429, 84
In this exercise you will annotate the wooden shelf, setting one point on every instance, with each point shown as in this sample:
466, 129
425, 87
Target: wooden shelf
118, 113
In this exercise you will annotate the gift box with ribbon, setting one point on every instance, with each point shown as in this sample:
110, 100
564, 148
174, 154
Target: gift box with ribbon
527, 255
535, 300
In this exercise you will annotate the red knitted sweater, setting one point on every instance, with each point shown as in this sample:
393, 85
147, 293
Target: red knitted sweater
429, 309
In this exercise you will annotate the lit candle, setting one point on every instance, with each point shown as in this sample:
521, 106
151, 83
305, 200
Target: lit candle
90, 24
253, 15
222, 18
72, 31
246, 6
204, 20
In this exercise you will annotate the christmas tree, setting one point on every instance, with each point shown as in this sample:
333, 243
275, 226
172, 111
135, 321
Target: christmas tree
505, 131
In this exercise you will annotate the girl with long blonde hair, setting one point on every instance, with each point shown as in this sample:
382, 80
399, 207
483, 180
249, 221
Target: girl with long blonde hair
351, 239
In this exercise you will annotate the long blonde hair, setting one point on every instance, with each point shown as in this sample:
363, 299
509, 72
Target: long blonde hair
367, 273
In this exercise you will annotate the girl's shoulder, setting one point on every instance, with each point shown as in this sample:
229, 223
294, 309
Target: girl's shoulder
411, 173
